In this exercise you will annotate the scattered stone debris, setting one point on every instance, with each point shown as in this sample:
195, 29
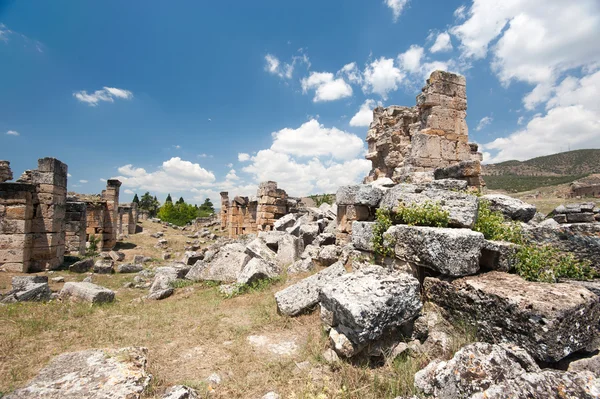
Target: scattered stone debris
86, 292
512, 208
28, 288
82, 266
180, 392
129, 268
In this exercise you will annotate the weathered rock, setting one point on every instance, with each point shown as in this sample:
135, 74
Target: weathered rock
325, 239
28, 288
161, 294
371, 302
258, 248
59, 279
226, 265
302, 266
257, 269
87, 292
498, 255
448, 184
461, 207
191, 257
346, 195
592, 285
289, 249
117, 256
129, 268
362, 235
550, 321
82, 266
180, 392
284, 222
310, 251
104, 266
591, 364
96, 373
452, 252
329, 254
304, 295
309, 233
512, 208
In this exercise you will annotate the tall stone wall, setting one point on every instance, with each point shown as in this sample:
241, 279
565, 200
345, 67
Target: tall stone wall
75, 228
272, 205
32, 218
241, 217
407, 144
95, 211
127, 218
5, 171
224, 211
111, 215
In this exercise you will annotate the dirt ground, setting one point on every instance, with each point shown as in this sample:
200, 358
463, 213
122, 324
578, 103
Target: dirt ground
191, 335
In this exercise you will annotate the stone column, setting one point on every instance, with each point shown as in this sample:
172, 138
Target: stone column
223, 213
75, 228
5, 171
16, 215
272, 204
111, 216
49, 214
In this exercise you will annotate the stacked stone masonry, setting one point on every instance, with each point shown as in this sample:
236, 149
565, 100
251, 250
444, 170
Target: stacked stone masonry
244, 215
407, 144
75, 227
32, 218
128, 218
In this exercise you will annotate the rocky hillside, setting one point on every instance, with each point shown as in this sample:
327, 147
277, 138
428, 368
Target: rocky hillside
550, 170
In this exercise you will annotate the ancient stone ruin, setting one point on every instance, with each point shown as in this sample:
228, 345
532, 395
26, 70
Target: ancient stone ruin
128, 218
407, 144
249, 215
32, 217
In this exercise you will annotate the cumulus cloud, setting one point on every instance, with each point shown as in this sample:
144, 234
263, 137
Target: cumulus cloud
442, 43
397, 6
173, 175
128, 191
410, 60
326, 86
13, 133
312, 139
485, 121
381, 77
83, 181
232, 175
364, 116
106, 94
284, 70
243, 157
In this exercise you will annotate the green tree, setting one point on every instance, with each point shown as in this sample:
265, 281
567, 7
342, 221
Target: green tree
169, 199
136, 200
206, 209
180, 200
149, 204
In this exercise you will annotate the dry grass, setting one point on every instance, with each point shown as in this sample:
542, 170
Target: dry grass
191, 335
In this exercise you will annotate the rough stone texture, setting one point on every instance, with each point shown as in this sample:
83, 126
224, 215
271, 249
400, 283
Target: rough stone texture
129, 268
180, 392
362, 235
289, 249
87, 292
328, 255
104, 266
257, 269
581, 239
368, 303
226, 265
28, 288
302, 296
550, 321
462, 207
286, 221
97, 373
591, 364
258, 248
483, 370
5, 171
75, 227
498, 255
302, 266
452, 252
510, 207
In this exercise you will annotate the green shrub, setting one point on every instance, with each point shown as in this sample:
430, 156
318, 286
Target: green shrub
92, 249
321, 199
427, 214
534, 262
383, 222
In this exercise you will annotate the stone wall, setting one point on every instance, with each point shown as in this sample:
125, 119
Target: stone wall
407, 144
127, 218
247, 215
95, 211
5, 171
75, 228
32, 218
111, 215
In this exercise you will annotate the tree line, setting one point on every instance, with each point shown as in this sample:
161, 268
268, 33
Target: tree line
179, 213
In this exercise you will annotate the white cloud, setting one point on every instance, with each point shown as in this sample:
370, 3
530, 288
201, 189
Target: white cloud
326, 86
107, 94
232, 175
69, 175
229, 165
243, 157
572, 121
104, 180
83, 181
128, 191
284, 70
203, 155
312, 139
382, 77
352, 73
177, 147
172, 176
364, 116
442, 43
410, 60
396, 6
520, 120
460, 13
13, 133
485, 121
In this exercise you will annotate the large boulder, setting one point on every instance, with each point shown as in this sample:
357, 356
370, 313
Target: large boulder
304, 295
360, 194
87, 292
366, 304
289, 249
258, 269
452, 252
461, 207
308, 233
258, 248
483, 370
512, 208
498, 255
82, 266
362, 235
285, 222
104, 266
225, 266
550, 321
96, 373
129, 268
28, 288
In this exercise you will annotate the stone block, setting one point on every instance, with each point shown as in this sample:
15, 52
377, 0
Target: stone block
587, 217
86, 292
18, 212
426, 146
8, 226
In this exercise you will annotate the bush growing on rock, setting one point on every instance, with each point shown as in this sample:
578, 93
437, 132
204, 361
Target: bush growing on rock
428, 214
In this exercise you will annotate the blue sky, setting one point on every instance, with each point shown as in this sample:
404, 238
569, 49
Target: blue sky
193, 98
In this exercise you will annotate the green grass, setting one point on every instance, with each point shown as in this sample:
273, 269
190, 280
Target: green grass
516, 184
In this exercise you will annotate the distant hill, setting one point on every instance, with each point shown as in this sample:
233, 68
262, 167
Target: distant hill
549, 170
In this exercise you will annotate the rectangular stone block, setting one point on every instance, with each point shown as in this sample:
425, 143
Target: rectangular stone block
426, 146
41, 225
49, 164
425, 100
15, 267
50, 178
20, 212
18, 255
41, 240
9, 241
8, 226
52, 189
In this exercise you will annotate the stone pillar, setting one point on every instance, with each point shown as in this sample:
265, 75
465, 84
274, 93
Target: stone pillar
16, 216
95, 211
272, 205
5, 171
75, 228
223, 213
111, 196
135, 217
48, 224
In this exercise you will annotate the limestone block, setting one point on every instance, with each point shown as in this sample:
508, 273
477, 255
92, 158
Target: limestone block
426, 146
87, 292
14, 226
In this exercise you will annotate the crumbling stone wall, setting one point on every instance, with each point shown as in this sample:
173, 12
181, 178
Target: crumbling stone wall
127, 218
32, 218
407, 144
95, 211
5, 171
111, 215
75, 227
246, 215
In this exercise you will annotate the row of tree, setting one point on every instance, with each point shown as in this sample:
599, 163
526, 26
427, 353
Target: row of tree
179, 213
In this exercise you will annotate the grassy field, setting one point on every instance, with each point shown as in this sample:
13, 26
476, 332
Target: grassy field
517, 184
191, 335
